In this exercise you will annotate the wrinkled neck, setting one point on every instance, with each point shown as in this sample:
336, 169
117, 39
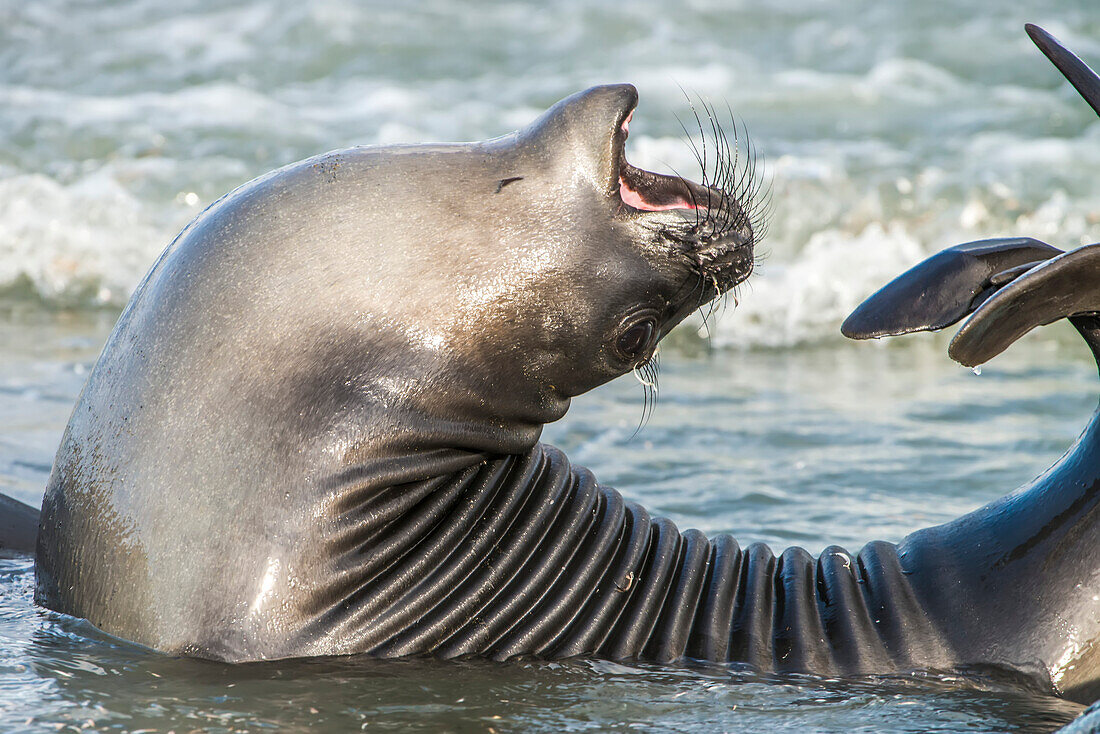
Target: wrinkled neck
389, 412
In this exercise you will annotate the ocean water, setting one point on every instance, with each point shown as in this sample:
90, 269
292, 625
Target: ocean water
886, 131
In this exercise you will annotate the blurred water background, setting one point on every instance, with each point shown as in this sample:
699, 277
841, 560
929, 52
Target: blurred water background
889, 130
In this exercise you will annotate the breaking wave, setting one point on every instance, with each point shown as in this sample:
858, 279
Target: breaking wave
885, 140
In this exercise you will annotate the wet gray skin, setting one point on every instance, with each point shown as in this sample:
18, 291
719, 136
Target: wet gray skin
315, 431
348, 332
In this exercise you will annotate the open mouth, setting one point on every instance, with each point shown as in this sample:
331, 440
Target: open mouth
654, 192
722, 217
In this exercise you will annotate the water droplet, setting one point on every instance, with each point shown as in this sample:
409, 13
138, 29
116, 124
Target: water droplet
976, 370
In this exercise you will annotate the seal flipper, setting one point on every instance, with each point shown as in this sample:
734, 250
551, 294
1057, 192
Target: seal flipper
1084, 79
943, 289
18, 526
1048, 292
1030, 556
1007, 286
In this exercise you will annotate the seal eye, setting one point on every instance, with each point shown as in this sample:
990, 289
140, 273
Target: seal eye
636, 339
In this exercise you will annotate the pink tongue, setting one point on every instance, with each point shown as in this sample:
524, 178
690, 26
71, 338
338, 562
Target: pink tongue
634, 199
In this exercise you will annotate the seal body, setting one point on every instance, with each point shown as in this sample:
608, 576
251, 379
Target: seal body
315, 431
333, 335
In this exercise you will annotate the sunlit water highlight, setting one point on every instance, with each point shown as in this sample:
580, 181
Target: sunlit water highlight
891, 129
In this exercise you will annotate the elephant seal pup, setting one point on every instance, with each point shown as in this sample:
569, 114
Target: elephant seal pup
314, 431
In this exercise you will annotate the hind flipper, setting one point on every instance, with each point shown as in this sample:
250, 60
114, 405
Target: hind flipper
1007, 287
1064, 286
1084, 79
943, 289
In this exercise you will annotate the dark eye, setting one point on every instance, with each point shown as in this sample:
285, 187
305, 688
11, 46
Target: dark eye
636, 339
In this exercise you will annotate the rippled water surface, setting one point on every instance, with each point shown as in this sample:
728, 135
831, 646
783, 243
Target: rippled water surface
59, 676
889, 130
811, 446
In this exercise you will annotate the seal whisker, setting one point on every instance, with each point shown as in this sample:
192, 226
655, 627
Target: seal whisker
703, 164
723, 166
721, 241
702, 312
728, 169
698, 159
646, 373
718, 177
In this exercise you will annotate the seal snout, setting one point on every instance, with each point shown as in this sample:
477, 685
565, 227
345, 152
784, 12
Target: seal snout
720, 218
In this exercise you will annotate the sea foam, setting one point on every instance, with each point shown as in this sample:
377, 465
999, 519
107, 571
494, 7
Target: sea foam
885, 134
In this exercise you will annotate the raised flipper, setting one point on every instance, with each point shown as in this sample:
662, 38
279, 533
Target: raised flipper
1007, 287
1064, 286
1084, 79
944, 288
